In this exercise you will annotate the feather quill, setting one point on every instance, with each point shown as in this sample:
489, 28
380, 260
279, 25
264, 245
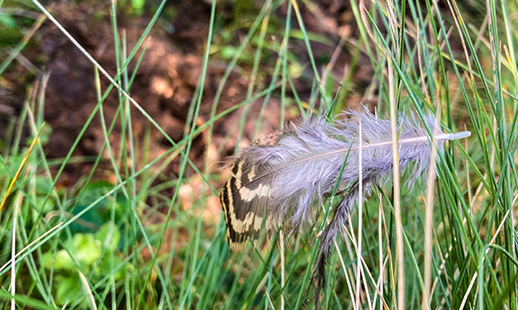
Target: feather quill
277, 180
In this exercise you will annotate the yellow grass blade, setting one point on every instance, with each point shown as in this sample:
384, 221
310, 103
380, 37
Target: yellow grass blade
20, 168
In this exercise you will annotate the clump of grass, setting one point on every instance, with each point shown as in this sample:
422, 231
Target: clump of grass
452, 245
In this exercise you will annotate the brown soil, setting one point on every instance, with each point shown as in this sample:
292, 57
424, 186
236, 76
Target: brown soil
165, 82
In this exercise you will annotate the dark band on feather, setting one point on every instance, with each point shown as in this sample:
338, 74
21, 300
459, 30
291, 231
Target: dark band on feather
242, 217
229, 198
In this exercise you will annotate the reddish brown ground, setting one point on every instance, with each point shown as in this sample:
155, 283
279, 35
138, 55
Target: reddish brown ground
165, 81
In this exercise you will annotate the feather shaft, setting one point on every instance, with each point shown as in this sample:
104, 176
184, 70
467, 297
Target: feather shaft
420, 139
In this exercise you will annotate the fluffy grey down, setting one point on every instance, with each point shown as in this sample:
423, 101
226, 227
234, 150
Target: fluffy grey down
303, 167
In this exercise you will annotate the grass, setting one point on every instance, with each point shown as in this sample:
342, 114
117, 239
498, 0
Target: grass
450, 242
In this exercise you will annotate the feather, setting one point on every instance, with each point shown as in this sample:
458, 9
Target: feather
276, 181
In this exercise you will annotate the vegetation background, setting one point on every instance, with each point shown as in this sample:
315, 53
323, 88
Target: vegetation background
117, 120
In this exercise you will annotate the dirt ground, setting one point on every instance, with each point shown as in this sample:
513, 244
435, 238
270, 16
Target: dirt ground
166, 79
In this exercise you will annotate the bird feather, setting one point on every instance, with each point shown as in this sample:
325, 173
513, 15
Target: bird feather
276, 181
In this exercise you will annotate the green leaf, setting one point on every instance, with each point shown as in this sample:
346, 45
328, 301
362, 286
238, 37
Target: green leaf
109, 236
68, 289
84, 248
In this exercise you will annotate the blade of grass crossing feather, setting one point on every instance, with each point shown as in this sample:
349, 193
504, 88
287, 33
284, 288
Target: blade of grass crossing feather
429, 220
20, 168
396, 186
360, 216
322, 225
